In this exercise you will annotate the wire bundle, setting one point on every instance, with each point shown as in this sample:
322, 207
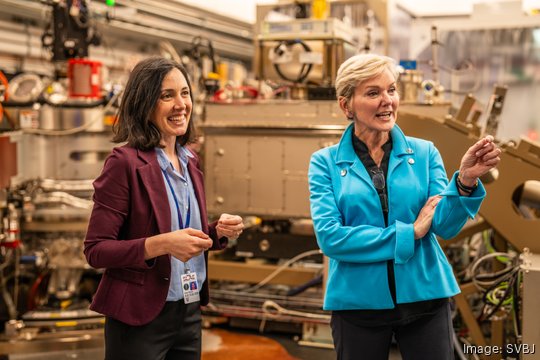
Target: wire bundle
500, 288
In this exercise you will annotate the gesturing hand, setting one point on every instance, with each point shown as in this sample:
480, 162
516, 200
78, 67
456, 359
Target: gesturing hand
478, 160
187, 243
422, 223
230, 226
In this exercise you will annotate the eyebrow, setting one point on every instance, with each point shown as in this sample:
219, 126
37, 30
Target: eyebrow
378, 87
170, 89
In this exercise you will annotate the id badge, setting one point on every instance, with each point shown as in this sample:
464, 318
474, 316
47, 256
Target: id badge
190, 287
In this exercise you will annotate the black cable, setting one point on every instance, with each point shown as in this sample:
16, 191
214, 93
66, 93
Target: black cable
497, 306
304, 70
515, 304
495, 275
301, 288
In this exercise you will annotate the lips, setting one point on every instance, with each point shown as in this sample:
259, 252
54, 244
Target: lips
180, 118
384, 115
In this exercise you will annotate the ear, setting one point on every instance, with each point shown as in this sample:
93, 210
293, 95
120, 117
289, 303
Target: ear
345, 107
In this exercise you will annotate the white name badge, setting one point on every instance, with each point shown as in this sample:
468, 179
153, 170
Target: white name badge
190, 287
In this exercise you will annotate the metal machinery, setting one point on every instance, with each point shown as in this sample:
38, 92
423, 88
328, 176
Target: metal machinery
304, 45
55, 122
473, 60
510, 212
257, 153
306, 52
59, 137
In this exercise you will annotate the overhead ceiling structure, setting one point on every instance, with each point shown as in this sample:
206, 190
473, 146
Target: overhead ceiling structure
143, 21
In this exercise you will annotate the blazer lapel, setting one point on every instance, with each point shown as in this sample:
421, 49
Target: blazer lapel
400, 147
152, 179
346, 158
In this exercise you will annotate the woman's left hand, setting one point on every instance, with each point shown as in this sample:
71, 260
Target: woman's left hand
478, 160
230, 226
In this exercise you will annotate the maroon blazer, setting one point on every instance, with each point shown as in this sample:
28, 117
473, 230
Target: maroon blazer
130, 204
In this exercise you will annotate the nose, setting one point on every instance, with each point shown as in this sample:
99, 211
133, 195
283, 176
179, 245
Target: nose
179, 103
387, 99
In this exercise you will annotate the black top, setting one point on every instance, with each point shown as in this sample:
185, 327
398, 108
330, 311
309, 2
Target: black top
401, 313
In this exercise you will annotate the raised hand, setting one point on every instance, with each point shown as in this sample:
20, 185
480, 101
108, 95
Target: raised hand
478, 160
230, 226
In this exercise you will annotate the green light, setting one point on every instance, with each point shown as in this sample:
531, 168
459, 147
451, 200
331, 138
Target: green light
109, 2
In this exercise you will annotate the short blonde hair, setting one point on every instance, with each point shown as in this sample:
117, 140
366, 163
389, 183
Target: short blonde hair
360, 68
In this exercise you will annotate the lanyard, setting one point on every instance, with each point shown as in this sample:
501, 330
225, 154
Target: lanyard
188, 215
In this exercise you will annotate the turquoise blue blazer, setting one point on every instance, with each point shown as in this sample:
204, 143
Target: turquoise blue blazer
350, 228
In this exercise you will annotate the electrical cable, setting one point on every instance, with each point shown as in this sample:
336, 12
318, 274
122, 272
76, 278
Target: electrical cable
515, 305
301, 288
481, 285
500, 302
458, 348
304, 70
270, 305
283, 267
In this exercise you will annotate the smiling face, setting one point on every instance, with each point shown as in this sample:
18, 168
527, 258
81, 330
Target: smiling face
173, 110
373, 106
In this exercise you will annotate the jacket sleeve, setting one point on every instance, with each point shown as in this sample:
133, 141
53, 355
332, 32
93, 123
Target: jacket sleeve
453, 209
357, 244
218, 243
103, 246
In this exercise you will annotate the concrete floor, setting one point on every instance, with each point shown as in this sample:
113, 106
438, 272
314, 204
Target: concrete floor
287, 342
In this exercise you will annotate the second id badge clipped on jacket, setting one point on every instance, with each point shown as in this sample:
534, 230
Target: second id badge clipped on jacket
191, 288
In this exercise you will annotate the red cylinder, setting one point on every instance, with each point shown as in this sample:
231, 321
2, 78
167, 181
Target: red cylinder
84, 78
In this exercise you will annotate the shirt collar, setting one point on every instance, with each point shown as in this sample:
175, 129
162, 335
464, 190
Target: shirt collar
360, 146
183, 154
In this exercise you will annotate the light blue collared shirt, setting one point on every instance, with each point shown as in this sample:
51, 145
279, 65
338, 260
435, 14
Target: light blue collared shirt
184, 192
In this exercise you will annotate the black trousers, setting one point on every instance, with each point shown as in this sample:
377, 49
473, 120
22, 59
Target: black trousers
174, 335
425, 338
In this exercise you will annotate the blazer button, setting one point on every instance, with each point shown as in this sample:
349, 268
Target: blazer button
166, 279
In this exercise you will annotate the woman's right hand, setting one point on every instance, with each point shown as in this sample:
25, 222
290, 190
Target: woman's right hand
182, 244
423, 221
188, 243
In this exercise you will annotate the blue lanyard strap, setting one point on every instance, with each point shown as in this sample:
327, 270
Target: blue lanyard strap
188, 215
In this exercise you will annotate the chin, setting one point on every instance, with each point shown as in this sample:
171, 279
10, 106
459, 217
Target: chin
386, 126
179, 131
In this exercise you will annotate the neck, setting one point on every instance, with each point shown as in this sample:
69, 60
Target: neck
170, 147
374, 140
